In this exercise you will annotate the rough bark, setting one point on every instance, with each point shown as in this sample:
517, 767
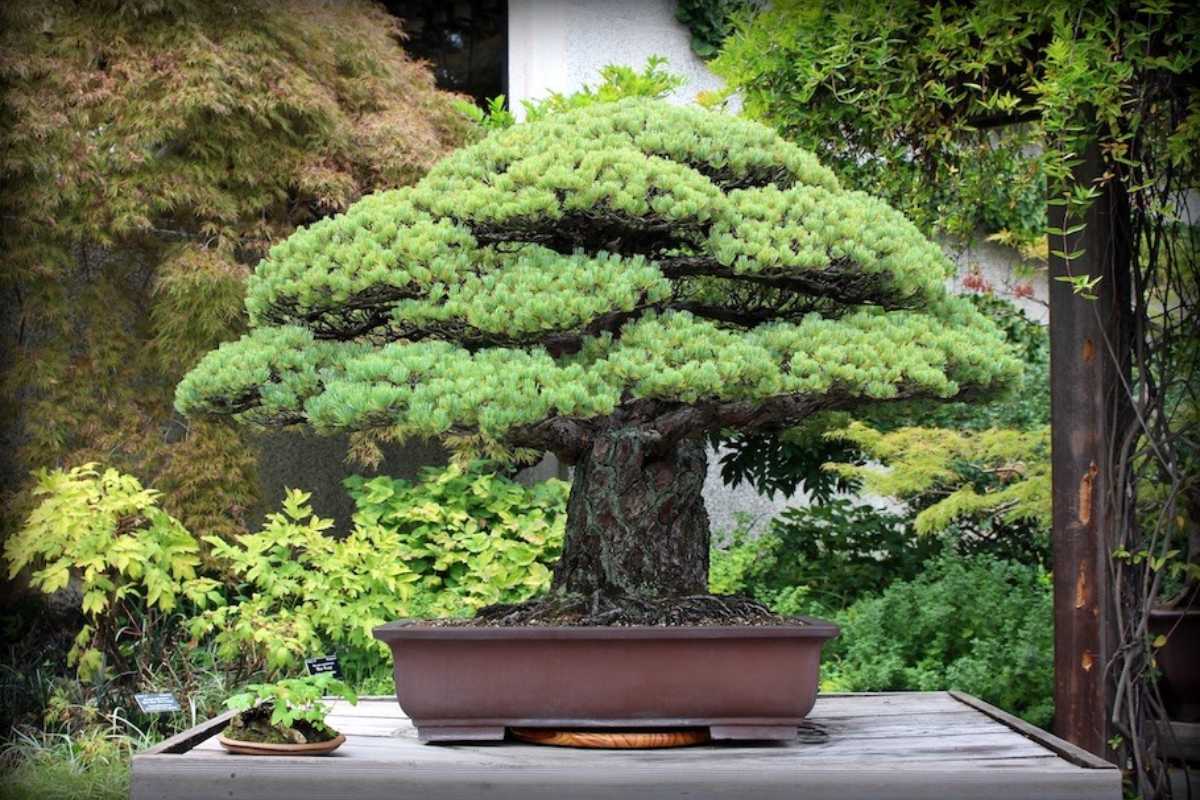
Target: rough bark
636, 522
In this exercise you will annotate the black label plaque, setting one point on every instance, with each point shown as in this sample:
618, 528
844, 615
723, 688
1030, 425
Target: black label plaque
156, 702
324, 665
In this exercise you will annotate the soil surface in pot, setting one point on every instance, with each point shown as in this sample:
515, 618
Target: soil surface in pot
600, 609
255, 726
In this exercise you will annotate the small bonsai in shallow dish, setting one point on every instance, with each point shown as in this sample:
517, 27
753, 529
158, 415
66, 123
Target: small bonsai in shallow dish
287, 717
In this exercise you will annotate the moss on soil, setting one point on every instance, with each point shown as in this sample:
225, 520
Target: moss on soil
255, 726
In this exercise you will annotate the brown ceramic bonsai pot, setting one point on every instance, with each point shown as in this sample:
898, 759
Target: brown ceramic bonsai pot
461, 683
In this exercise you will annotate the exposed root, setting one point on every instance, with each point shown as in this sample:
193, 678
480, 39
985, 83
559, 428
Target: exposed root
602, 609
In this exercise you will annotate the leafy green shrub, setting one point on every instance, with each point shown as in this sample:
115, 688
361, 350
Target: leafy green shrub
475, 536
819, 559
458, 540
132, 562
887, 96
977, 624
710, 22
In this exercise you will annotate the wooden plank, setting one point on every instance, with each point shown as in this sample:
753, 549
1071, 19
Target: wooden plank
993, 742
912, 725
287, 779
828, 705
941, 726
1180, 741
926, 744
182, 742
504, 759
1071, 752
879, 705
998, 743
1088, 365
950, 723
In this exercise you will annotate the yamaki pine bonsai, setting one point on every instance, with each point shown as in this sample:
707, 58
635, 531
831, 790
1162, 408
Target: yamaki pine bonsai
608, 284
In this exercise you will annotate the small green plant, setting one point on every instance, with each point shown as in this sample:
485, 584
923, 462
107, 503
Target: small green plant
494, 117
616, 82
292, 710
132, 562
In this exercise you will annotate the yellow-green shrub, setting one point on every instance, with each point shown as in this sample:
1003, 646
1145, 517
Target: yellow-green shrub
132, 561
458, 540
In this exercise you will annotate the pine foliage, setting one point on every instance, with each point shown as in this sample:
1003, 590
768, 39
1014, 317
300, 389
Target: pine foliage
152, 153
667, 265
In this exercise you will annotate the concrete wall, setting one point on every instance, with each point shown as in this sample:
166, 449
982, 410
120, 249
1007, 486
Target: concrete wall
559, 45
1000, 266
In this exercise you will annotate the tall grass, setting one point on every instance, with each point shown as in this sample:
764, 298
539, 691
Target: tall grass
91, 763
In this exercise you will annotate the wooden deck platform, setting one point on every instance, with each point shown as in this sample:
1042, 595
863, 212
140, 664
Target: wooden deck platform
895, 745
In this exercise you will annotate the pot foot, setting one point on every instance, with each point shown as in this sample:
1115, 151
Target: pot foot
754, 733
460, 733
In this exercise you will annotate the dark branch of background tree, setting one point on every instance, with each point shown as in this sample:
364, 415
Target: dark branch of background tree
610, 284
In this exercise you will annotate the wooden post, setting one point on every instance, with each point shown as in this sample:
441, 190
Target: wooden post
1087, 399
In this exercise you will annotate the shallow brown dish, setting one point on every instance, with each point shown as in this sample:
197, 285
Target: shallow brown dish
462, 683
265, 749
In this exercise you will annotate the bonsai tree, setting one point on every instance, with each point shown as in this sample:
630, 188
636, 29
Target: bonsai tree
607, 284
289, 711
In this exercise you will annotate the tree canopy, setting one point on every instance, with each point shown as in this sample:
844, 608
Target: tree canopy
153, 151
633, 262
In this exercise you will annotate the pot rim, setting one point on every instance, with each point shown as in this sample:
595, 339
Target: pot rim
406, 629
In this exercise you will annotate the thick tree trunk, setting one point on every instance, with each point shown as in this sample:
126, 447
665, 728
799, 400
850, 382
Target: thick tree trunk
636, 523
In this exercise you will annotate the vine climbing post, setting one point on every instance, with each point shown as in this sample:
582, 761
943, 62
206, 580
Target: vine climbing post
1089, 307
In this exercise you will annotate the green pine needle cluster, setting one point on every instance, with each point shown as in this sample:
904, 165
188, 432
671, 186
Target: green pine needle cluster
631, 257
